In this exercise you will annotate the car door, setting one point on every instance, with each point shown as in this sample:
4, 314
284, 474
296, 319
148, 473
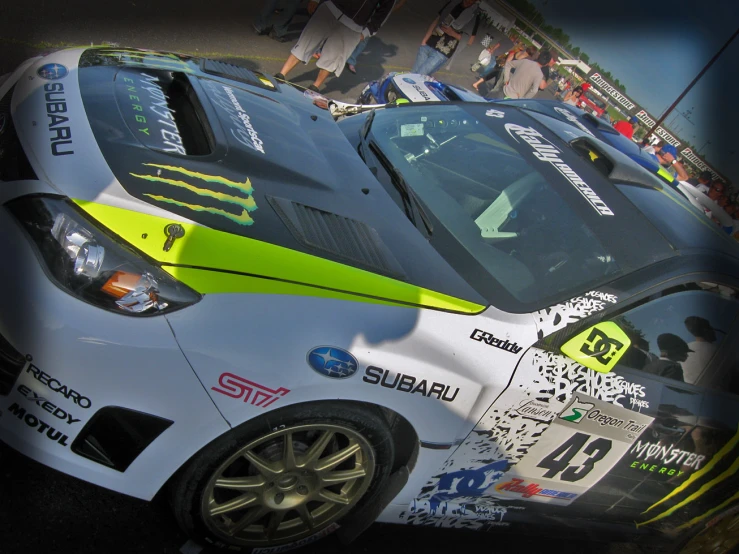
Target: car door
565, 440
683, 359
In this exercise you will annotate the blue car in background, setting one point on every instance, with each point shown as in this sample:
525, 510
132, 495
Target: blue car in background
596, 127
413, 88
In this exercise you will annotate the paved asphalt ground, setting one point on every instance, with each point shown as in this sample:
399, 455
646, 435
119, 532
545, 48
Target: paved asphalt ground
44, 511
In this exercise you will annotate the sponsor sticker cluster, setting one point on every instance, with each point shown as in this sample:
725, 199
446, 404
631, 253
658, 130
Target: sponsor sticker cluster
585, 440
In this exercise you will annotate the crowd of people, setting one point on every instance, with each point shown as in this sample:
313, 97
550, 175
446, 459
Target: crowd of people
338, 32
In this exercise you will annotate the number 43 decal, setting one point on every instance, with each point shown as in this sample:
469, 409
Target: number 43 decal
559, 460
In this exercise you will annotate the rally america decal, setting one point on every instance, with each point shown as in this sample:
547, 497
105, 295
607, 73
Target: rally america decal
547, 152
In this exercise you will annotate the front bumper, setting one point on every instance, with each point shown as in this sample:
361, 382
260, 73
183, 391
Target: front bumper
79, 360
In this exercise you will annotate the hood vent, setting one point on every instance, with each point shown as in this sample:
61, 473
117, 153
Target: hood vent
237, 73
344, 238
14, 164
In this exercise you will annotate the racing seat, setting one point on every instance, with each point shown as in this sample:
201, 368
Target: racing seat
497, 214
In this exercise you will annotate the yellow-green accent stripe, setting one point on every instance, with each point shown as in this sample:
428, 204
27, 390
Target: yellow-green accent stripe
700, 473
700, 492
709, 513
220, 262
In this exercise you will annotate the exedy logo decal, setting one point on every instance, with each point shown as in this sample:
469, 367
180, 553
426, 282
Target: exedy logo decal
252, 393
576, 410
243, 201
547, 152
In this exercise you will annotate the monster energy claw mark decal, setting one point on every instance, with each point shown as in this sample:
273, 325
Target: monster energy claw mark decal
240, 195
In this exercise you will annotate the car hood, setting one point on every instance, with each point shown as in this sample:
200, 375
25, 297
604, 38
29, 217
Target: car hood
212, 145
422, 88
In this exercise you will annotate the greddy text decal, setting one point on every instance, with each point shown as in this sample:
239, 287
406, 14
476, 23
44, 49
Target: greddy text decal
243, 130
244, 201
408, 383
547, 152
483, 336
56, 105
238, 387
580, 446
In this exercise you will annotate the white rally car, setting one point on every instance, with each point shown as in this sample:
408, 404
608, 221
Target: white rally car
435, 314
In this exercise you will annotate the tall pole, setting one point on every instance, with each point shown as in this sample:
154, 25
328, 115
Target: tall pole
692, 83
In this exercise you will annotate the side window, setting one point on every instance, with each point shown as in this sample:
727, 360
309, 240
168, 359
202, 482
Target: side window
676, 334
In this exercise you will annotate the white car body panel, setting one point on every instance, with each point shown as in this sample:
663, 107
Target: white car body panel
111, 359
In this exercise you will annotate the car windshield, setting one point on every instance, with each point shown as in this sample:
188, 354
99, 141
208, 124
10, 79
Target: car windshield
506, 219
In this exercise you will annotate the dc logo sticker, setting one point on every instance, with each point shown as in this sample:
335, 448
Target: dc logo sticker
409, 80
332, 362
601, 347
576, 410
495, 113
52, 71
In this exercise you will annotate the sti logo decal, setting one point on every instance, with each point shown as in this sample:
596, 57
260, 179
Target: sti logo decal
332, 362
576, 410
52, 71
253, 393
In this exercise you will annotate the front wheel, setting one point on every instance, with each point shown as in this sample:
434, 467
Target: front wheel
286, 477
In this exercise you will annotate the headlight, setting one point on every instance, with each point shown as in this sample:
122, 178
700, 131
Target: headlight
93, 265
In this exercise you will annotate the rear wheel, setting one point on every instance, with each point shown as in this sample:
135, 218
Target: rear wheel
284, 478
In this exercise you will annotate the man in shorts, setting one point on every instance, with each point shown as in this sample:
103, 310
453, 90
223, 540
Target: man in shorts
339, 25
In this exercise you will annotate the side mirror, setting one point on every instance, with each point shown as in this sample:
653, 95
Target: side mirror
599, 347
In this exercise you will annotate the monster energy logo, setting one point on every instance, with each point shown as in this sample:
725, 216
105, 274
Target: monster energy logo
244, 201
153, 60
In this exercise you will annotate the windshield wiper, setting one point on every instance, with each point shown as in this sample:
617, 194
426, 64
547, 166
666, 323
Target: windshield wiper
406, 193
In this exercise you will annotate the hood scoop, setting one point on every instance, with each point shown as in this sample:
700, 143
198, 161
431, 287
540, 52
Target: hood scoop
342, 237
237, 73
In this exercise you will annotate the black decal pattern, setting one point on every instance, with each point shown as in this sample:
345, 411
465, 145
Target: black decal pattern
504, 433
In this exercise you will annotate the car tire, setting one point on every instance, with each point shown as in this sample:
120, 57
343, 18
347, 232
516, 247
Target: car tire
246, 490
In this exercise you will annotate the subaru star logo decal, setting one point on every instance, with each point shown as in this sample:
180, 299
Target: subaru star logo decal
52, 71
332, 362
409, 80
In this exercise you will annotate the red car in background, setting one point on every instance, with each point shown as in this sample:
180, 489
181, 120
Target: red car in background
589, 102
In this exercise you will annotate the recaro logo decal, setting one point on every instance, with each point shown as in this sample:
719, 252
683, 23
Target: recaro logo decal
244, 200
52, 71
576, 410
332, 362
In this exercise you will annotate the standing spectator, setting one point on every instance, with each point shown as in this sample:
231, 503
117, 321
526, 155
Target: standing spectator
519, 53
339, 25
703, 182
529, 77
489, 68
278, 22
627, 128
444, 34
572, 98
583, 88
351, 62
667, 156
